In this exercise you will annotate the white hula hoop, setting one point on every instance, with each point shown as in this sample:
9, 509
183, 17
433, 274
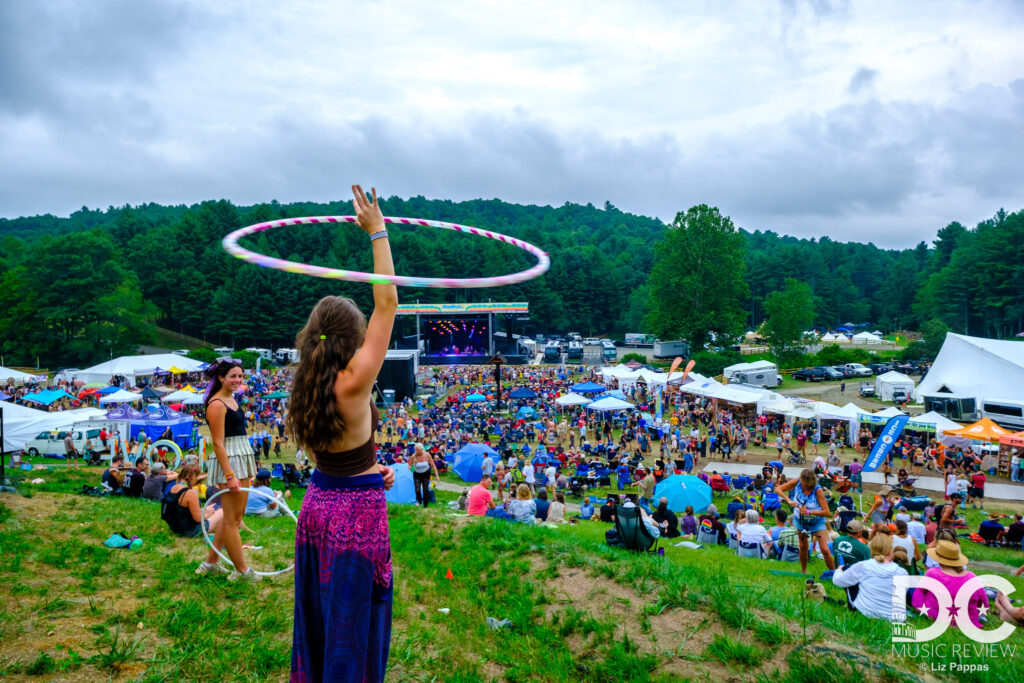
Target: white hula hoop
209, 541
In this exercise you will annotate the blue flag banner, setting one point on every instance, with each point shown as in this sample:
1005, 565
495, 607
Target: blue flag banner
892, 430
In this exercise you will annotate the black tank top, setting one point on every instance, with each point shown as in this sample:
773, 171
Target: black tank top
178, 517
234, 420
353, 461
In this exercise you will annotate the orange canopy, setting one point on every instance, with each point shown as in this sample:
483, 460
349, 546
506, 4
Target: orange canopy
982, 430
1013, 439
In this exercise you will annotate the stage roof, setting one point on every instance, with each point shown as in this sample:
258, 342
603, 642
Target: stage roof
462, 309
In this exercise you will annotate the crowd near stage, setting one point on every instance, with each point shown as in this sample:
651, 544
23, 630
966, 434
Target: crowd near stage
461, 334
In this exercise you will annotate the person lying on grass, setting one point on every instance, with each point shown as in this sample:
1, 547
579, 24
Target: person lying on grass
182, 512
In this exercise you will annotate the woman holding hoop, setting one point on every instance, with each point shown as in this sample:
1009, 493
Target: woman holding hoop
233, 466
343, 579
811, 508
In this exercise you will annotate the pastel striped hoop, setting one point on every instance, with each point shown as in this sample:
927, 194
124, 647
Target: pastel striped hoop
230, 244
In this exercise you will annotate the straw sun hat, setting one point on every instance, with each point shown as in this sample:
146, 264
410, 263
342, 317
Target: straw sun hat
948, 553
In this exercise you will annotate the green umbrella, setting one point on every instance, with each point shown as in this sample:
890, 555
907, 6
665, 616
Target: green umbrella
277, 394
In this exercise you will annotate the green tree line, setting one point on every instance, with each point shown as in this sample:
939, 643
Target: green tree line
97, 283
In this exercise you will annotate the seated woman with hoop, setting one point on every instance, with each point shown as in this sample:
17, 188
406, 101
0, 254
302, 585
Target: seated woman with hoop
180, 506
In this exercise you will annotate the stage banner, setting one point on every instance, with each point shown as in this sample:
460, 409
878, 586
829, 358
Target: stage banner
892, 430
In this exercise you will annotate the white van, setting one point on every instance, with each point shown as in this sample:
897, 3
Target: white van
223, 350
52, 443
1007, 413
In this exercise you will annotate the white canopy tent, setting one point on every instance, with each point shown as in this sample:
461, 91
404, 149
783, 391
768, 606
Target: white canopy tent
572, 400
866, 338
829, 338
22, 423
848, 413
609, 403
179, 396
887, 383
121, 396
16, 376
133, 368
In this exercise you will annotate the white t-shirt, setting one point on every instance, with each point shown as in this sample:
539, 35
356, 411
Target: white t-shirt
905, 543
488, 465
528, 473
875, 597
550, 474
916, 530
750, 533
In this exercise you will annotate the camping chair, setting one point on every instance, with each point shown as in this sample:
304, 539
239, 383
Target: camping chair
277, 471
633, 533
750, 549
741, 482
706, 535
734, 541
789, 546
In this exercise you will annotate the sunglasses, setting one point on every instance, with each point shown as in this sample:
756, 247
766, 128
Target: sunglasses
226, 359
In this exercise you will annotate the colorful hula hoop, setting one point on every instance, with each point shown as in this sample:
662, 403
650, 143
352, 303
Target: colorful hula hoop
280, 501
230, 244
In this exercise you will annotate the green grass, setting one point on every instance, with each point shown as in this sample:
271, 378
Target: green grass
579, 610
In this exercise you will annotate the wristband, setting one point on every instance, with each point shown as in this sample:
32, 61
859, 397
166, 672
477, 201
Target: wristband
229, 477
377, 235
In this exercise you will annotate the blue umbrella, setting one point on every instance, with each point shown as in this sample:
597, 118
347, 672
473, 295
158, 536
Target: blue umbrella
682, 490
404, 490
522, 392
109, 390
475, 398
588, 388
526, 411
469, 460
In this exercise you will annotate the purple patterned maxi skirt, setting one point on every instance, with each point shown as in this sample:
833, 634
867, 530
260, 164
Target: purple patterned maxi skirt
342, 581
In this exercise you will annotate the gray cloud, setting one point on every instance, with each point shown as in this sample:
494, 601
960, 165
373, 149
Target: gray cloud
862, 80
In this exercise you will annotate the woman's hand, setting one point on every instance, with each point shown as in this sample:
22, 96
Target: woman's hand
234, 485
389, 477
369, 216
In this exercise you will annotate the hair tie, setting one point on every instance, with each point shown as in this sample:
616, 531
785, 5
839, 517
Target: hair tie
323, 336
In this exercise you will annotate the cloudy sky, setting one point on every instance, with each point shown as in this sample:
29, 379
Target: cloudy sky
878, 121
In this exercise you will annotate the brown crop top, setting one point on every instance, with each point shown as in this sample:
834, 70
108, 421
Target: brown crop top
353, 461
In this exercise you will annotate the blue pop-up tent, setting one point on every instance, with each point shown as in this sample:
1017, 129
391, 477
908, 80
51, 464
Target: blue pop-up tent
526, 411
522, 392
682, 490
587, 388
404, 490
469, 460
48, 397
475, 398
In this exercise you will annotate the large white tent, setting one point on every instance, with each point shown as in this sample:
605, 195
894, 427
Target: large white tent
975, 369
133, 368
121, 396
888, 382
571, 399
22, 423
16, 376
866, 338
609, 403
848, 413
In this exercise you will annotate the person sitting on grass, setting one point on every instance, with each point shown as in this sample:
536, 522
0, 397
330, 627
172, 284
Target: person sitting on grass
479, 500
688, 523
113, 476
869, 584
556, 512
952, 574
159, 477
522, 508
257, 505
751, 531
608, 510
991, 529
136, 479
586, 509
666, 519
181, 506
542, 505
849, 549
711, 516
1007, 612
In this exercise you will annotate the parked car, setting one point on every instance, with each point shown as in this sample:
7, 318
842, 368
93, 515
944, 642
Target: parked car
880, 368
811, 375
830, 373
858, 370
900, 396
842, 370
867, 389
52, 443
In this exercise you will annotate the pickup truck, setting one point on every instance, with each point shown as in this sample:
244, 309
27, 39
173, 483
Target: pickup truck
859, 370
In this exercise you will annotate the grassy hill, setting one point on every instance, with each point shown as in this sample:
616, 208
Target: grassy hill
70, 609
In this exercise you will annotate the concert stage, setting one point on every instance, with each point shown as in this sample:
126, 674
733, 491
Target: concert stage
461, 334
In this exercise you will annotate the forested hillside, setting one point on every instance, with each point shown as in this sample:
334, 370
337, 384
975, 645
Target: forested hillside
78, 289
